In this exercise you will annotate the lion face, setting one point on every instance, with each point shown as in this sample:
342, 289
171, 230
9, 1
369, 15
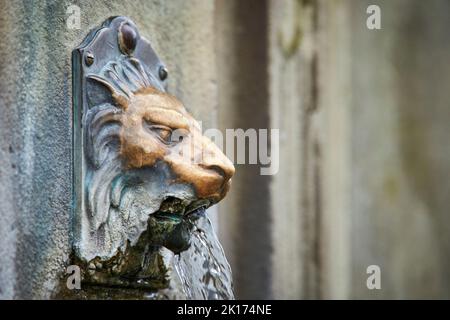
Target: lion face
157, 127
152, 169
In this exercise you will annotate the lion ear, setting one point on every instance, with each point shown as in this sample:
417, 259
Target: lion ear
120, 94
101, 80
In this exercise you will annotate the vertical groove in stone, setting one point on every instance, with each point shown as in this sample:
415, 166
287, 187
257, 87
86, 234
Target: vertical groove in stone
244, 103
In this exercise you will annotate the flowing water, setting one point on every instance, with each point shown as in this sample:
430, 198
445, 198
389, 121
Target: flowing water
203, 270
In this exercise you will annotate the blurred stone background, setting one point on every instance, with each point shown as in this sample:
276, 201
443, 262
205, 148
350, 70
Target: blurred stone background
364, 122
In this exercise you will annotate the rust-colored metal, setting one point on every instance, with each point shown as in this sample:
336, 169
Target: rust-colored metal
148, 120
144, 172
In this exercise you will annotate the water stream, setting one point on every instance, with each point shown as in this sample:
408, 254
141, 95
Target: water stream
203, 270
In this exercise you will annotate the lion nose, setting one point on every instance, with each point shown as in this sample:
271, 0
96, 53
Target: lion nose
223, 170
216, 161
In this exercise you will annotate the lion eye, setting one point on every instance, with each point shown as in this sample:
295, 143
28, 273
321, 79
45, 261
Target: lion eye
164, 133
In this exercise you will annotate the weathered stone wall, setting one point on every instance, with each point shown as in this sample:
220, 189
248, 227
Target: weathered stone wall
400, 151
243, 103
363, 121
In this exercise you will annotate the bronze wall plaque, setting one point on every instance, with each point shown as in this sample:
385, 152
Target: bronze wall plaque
139, 194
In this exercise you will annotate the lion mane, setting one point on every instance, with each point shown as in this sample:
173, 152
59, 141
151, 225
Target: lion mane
104, 178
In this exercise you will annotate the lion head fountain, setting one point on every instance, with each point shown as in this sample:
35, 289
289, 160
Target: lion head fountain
144, 177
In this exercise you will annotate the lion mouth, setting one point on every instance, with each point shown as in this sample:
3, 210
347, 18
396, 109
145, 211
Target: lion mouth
172, 225
177, 210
